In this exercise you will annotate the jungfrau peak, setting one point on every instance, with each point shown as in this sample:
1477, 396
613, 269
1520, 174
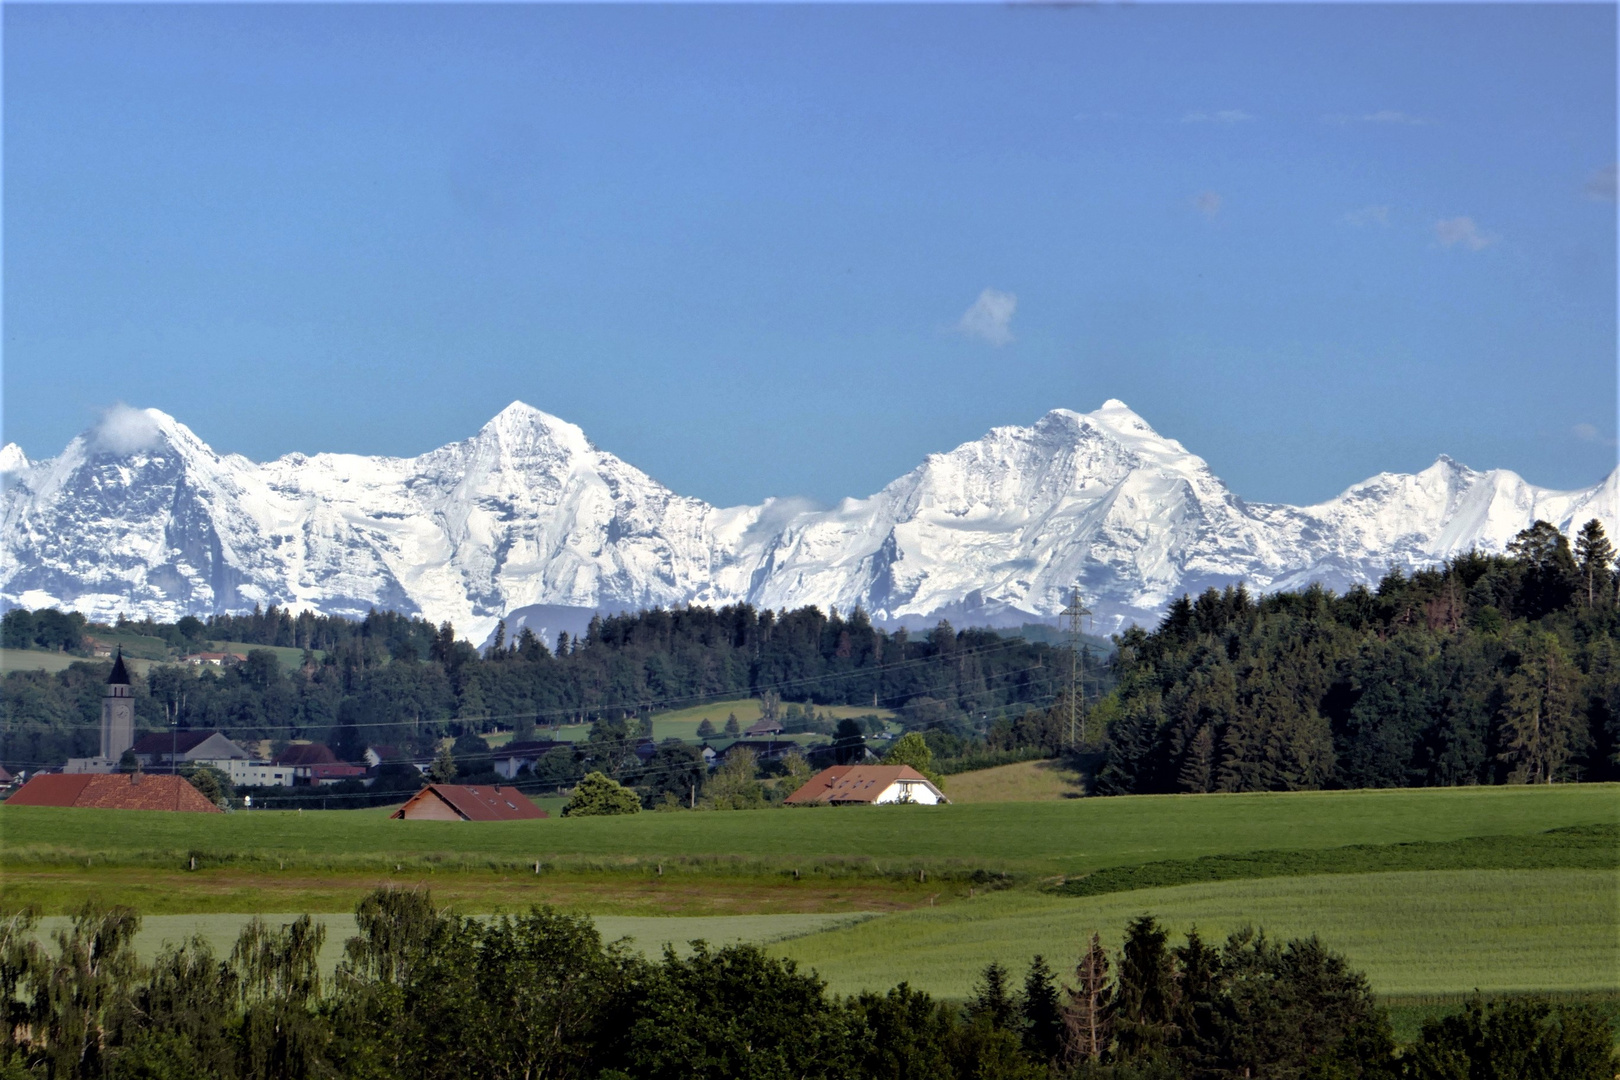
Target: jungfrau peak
528, 519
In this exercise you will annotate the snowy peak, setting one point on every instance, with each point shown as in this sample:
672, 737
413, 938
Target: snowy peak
139, 515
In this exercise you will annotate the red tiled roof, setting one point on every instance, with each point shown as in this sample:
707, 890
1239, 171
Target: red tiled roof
852, 783
328, 772
114, 791
479, 802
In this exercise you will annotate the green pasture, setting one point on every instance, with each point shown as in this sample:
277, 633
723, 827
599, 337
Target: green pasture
1037, 839
1024, 781
291, 659
683, 723
42, 660
1413, 933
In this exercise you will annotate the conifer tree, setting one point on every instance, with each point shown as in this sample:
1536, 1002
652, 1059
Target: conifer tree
1089, 1012
992, 1000
1540, 729
705, 729
1147, 990
443, 770
1593, 557
1042, 1011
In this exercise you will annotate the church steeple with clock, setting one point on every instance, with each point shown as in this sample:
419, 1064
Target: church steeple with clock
117, 712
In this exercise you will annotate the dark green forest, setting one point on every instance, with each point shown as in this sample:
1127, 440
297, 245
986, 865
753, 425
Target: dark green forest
424, 994
1484, 670
402, 683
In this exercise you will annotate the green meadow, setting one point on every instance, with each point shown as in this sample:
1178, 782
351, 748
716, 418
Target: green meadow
1030, 840
1412, 932
1432, 892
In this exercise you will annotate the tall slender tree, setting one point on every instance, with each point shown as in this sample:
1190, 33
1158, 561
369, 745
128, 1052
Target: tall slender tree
1594, 555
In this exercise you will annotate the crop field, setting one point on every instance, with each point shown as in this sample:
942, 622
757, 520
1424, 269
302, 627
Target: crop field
1416, 932
1025, 781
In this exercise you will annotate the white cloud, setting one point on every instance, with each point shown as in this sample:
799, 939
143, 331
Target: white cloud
1382, 116
990, 317
1368, 215
1223, 116
1590, 433
1601, 184
1463, 232
123, 430
1208, 203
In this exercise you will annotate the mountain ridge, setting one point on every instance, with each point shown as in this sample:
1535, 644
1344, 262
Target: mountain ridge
139, 516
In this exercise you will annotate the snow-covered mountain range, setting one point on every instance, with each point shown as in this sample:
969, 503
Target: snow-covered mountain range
528, 520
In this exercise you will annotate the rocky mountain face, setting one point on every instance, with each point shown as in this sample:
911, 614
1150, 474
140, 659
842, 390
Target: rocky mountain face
528, 520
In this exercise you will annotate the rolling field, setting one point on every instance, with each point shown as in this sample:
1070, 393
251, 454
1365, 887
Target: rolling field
1025, 781
1413, 933
1466, 894
1030, 839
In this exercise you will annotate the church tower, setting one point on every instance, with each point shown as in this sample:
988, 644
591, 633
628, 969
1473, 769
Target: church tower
117, 712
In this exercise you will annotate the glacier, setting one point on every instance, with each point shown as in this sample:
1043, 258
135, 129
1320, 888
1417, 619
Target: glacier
527, 520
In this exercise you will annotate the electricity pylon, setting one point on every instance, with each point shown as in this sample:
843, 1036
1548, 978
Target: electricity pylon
1075, 611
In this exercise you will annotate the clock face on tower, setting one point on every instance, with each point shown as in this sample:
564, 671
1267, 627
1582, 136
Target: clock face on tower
122, 711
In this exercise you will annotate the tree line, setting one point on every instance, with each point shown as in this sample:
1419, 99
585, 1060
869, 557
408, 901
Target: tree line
1486, 669
405, 684
424, 994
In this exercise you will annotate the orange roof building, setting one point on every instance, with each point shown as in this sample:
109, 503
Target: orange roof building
114, 791
469, 802
868, 784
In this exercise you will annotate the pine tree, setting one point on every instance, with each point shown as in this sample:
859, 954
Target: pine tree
1089, 1013
1198, 767
497, 648
705, 729
731, 726
992, 1000
443, 770
1147, 991
1540, 728
1043, 1012
1593, 557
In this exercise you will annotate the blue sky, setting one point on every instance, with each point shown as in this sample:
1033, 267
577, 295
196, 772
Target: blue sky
791, 250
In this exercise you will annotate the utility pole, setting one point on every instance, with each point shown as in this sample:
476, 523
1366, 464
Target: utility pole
1074, 612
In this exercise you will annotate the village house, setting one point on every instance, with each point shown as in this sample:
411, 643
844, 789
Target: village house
870, 785
468, 802
164, 749
763, 729
762, 749
214, 659
516, 757
119, 791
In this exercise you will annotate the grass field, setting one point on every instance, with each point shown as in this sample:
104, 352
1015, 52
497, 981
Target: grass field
1026, 781
40, 660
291, 659
1471, 890
1034, 839
1423, 932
